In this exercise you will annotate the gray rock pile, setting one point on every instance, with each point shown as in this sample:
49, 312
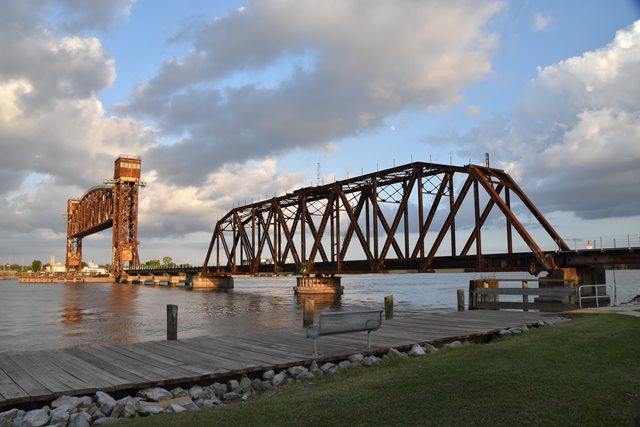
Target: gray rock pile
517, 330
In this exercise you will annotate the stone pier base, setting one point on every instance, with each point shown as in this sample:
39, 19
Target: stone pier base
212, 282
318, 285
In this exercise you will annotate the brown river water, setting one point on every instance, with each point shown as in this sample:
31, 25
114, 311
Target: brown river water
58, 315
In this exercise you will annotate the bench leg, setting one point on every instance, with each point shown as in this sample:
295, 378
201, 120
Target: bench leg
368, 339
315, 348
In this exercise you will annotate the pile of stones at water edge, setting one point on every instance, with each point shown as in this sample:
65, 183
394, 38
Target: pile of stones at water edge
516, 330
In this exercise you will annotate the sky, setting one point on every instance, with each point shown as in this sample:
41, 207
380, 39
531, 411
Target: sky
229, 102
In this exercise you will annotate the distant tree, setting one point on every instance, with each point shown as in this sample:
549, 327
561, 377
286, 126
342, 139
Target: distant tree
84, 264
106, 267
167, 260
36, 265
152, 263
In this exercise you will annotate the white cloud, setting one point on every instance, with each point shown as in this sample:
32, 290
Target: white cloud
574, 136
170, 209
368, 63
52, 125
540, 21
10, 92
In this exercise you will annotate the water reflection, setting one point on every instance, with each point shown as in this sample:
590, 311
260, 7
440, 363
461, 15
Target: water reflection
71, 310
321, 301
56, 315
122, 327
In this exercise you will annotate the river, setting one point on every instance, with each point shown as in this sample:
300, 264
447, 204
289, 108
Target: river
57, 315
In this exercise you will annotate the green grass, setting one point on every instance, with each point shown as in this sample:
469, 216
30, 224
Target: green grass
583, 372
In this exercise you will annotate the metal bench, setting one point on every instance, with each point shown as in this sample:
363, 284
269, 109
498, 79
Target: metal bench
333, 323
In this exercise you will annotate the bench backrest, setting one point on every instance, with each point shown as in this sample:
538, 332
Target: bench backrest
350, 320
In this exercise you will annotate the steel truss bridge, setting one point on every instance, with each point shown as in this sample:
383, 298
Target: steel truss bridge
408, 218
108, 206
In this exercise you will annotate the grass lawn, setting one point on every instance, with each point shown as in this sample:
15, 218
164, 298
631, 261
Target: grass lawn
583, 372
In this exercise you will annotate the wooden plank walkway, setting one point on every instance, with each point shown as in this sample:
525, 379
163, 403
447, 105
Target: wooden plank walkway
39, 376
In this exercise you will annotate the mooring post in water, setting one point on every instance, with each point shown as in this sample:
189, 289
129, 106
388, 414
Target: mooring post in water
460, 293
388, 307
307, 313
172, 322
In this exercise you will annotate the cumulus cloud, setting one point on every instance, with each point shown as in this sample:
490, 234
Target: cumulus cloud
199, 207
77, 15
56, 139
352, 67
573, 138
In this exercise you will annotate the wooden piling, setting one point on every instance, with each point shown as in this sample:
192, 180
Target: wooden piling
172, 322
307, 313
460, 293
388, 307
525, 297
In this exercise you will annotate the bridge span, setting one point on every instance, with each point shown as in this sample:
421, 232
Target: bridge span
410, 218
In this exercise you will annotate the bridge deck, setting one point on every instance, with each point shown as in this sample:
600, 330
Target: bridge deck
40, 376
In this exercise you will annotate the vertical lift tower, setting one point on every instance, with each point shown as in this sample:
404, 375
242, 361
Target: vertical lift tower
114, 204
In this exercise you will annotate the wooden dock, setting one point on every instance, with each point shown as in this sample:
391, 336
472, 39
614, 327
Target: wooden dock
41, 376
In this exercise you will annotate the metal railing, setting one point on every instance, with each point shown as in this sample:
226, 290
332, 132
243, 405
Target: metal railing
604, 242
597, 296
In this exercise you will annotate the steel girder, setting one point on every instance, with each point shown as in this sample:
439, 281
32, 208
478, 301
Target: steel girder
347, 226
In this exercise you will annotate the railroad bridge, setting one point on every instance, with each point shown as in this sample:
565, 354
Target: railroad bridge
419, 217
113, 205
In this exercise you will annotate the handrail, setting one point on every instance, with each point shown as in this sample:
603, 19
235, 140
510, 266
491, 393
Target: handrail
596, 297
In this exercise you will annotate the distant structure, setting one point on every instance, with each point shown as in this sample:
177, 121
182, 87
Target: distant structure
92, 269
115, 205
55, 268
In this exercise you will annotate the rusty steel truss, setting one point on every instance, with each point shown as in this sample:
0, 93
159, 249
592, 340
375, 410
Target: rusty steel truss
393, 220
114, 205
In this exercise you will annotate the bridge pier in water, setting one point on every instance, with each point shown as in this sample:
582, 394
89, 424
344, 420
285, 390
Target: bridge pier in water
201, 281
578, 276
318, 284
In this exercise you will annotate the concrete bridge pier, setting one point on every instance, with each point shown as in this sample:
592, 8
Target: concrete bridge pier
318, 284
579, 276
159, 279
201, 281
174, 280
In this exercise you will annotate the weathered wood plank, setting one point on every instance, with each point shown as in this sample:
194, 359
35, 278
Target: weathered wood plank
9, 390
90, 374
23, 379
548, 292
149, 358
128, 377
41, 366
530, 306
148, 371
